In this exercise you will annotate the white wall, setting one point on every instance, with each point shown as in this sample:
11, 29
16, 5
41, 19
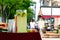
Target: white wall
37, 8
58, 20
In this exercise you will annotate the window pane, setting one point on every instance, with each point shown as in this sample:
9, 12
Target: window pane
45, 2
56, 3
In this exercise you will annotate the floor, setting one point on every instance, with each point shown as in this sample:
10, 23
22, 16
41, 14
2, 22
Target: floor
50, 38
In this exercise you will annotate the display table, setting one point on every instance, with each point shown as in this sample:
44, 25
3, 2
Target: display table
20, 36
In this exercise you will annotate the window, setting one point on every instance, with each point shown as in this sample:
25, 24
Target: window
46, 3
54, 3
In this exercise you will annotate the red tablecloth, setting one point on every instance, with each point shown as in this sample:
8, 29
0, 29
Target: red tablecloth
20, 36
